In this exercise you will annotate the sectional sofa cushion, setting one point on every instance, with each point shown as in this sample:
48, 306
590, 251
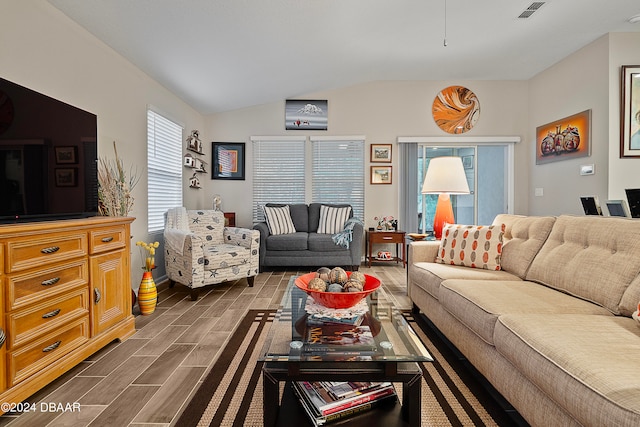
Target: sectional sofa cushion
429, 276
478, 304
523, 237
581, 251
588, 364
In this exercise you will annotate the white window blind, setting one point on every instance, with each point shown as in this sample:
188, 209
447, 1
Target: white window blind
164, 168
338, 172
278, 172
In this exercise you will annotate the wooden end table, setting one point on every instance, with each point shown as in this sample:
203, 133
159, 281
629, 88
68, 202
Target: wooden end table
381, 237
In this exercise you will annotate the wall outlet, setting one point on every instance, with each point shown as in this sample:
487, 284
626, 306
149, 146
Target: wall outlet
539, 192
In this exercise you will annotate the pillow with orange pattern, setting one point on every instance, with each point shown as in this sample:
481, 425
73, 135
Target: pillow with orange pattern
476, 246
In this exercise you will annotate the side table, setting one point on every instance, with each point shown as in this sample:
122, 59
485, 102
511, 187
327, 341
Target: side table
381, 237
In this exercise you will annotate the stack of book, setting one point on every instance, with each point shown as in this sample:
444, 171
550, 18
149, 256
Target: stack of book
326, 401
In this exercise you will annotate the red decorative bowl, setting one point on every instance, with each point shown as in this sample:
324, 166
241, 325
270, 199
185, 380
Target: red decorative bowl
337, 299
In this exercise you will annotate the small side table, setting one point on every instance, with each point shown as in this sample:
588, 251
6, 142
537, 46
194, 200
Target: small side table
380, 237
229, 219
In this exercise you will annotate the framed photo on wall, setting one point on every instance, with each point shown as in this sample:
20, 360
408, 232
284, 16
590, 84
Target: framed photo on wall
228, 160
380, 153
381, 175
66, 155
307, 114
65, 177
630, 111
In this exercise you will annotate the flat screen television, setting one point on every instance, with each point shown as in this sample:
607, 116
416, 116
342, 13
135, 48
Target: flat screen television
48, 157
633, 197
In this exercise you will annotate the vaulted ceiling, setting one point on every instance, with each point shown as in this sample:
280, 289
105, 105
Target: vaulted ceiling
220, 55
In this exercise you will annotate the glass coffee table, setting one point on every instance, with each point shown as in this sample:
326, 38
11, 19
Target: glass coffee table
390, 353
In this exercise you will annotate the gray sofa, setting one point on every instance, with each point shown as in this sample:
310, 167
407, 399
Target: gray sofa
552, 331
306, 247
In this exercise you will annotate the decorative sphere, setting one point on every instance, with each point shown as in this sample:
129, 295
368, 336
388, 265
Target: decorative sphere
323, 273
317, 284
353, 286
359, 276
335, 287
338, 275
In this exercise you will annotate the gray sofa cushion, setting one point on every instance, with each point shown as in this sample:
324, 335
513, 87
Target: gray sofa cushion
585, 250
323, 243
588, 364
288, 242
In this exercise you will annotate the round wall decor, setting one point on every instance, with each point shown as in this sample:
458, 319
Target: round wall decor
456, 109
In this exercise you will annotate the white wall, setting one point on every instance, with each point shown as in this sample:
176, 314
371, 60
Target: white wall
45, 51
382, 111
575, 84
624, 49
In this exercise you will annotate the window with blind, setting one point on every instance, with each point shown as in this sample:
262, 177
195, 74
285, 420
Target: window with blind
338, 172
278, 172
164, 168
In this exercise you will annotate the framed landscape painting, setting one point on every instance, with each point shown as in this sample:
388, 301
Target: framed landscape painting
630, 111
381, 175
305, 114
381, 153
564, 139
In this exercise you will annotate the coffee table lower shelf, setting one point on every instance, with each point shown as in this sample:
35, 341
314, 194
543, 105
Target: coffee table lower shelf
289, 411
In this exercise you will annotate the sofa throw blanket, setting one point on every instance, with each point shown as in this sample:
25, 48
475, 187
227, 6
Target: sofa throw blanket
344, 237
177, 229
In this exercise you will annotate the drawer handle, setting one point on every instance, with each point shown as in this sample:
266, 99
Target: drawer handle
52, 347
387, 238
50, 282
97, 295
51, 313
50, 250
3, 337
107, 239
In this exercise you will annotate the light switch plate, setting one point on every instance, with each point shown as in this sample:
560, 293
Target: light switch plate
587, 169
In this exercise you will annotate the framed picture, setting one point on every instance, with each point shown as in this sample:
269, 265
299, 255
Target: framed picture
564, 139
228, 160
306, 114
630, 111
380, 174
381, 153
66, 155
65, 177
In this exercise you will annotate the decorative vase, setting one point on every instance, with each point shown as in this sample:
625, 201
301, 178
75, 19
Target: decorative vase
147, 294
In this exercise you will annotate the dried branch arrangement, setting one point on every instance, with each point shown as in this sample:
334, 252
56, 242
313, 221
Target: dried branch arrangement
115, 187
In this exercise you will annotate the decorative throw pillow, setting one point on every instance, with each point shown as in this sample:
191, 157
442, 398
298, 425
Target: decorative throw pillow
332, 219
472, 246
636, 315
279, 220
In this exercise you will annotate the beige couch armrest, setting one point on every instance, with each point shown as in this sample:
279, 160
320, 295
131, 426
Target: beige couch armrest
423, 251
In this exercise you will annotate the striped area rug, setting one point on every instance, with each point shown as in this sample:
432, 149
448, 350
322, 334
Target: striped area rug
231, 394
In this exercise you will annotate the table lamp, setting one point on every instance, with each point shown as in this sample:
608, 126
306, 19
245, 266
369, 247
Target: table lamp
445, 176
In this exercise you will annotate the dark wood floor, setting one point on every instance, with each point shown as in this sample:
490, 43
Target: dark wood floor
146, 380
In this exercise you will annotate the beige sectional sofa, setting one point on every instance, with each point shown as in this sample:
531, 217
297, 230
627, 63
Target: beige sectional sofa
552, 330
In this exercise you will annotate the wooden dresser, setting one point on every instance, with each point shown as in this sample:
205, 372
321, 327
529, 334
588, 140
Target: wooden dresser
66, 292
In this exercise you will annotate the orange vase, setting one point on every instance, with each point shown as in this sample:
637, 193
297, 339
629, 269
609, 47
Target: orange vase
147, 294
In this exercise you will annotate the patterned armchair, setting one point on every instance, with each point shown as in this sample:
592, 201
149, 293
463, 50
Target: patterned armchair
201, 251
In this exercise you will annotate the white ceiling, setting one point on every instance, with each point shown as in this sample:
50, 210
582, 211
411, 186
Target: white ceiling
220, 55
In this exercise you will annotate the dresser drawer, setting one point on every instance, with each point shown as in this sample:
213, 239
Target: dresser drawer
29, 252
29, 323
29, 359
107, 239
34, 286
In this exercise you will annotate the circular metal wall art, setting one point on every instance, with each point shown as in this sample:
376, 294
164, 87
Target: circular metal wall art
456, 109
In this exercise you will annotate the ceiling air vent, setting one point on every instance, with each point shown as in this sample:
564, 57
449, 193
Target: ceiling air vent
531, 9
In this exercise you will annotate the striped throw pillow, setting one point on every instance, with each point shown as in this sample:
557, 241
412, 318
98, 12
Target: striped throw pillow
332, 219
279, 220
